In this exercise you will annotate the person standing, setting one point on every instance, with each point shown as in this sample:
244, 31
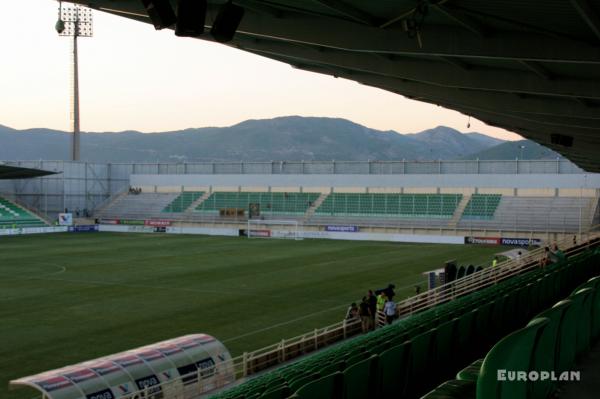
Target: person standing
495, 261
389, 310
365, 315
352, 312
372, 299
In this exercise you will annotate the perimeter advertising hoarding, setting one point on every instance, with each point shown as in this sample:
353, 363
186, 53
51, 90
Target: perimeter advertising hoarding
343, 229
83, 228
157, 223
483, 240
521, 242
65, 219
259, 233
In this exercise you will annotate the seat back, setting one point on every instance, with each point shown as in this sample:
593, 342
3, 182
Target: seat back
359, 379
545, 350
392, 370
584, 320
328, 387
512, 354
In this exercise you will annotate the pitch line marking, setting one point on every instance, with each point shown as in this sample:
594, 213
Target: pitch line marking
295, 320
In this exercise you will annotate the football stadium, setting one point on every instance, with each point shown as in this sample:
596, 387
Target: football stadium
327, 279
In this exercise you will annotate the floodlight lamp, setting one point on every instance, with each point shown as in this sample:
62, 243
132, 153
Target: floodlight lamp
60, 26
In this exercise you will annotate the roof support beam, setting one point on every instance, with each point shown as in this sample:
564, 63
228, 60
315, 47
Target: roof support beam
437, 40
433, 73
504, 102
590, 17
349, 11
536, 68
457, 62
464, 20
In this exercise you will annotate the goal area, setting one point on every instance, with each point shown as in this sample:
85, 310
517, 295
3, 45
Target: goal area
283, 229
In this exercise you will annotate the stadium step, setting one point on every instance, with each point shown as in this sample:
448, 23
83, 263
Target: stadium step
197, 202
311, 211
459, 211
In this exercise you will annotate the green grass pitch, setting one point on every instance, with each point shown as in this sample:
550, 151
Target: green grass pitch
66, 298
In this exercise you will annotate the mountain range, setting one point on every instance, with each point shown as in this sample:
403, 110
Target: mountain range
283, 138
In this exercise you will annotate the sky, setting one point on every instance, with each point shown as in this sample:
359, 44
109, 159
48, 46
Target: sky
133, 77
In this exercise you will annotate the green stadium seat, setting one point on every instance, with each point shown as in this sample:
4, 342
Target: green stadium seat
546, 351
183, 201
390, 205
360, 379
392, 371
328, 387
583, 299
481, 206
422, 363
13, 215
279, 392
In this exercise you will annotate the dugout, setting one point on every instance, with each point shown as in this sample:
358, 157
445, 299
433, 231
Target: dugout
163, 369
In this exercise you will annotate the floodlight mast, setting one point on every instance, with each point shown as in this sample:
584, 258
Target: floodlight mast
75, 21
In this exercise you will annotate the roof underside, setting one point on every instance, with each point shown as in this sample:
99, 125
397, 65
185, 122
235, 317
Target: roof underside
529, 66
14, 172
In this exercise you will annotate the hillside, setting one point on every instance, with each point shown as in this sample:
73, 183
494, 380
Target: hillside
284, 138
512, 150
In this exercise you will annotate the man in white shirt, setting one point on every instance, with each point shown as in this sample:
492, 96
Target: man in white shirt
389, 309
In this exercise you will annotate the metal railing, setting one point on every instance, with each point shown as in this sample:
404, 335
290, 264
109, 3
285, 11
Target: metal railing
485, 277
208, 380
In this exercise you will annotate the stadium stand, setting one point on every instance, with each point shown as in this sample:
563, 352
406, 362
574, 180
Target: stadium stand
12, 215
414, 355
490, 212
403, 205
481, 206
183, 201
533, 213
292, 203
140, 206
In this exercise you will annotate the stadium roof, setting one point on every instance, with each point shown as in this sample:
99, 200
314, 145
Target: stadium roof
528, 66
15, 172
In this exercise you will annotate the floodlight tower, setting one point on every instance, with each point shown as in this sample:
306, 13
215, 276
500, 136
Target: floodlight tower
74, 21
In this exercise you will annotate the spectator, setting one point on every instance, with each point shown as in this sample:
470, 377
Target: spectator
390, 311
417, 289
495, 261
556, 255
575, 239
365, 314
381, 300
372, 299
389, 291
545, 260
352, 312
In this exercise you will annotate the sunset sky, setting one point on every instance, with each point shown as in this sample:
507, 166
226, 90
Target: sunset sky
135, 78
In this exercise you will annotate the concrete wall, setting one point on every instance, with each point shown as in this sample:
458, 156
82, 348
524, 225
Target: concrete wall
422, 183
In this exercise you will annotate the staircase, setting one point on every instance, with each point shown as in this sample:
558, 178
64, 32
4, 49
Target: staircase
312, 209
460, 208
200, 200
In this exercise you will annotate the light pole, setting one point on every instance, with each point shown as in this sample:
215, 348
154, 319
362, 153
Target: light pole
522, 147
74, 21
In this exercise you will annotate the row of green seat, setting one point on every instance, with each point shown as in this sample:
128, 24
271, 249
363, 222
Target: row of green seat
14, 216
482, 206
550, 343
412, 356
183, 201
269, 202
404, 205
